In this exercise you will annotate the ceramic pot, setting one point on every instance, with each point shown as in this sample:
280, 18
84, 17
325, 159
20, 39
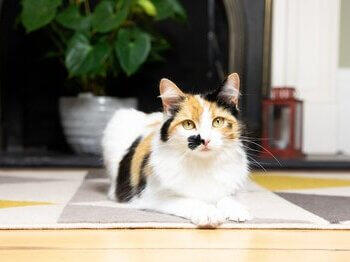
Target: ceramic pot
85, 117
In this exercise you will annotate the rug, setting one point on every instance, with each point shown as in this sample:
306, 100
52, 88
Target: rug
77, 199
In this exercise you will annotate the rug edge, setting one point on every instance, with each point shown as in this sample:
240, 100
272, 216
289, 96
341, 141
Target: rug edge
151, 225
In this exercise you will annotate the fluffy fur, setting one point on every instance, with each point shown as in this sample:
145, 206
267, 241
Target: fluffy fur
192, 169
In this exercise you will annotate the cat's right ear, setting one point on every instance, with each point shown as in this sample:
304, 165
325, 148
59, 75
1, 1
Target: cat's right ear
170, 94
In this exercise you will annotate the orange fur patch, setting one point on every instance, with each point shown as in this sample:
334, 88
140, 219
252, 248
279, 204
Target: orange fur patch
141, 151
155, 124
190, 108
231, 128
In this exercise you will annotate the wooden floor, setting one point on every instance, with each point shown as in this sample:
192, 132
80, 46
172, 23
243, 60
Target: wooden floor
174, 245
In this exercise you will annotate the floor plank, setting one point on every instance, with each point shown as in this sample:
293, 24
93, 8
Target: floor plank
174, 245
177, 238
145, 255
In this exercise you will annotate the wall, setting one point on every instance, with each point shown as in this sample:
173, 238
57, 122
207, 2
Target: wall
343, 79
344, 37
305, 45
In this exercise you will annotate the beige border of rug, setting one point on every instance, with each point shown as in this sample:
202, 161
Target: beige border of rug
152, 225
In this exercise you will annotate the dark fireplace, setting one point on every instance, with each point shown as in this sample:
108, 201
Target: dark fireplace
219, 37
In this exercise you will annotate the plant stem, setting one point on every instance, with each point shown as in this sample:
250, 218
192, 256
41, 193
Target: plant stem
58, 46
56, 41
58, 32
84, 84
87, 7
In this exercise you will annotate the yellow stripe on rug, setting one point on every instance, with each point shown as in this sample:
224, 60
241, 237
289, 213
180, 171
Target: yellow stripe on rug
275, 182
10, 203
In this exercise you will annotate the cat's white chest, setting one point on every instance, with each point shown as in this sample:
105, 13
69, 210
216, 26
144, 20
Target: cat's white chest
198, 180
202, 184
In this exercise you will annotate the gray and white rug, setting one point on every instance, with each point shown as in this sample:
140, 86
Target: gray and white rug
77, 199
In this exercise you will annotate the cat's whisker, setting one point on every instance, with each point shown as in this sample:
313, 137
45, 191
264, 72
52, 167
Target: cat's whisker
255, 138
251, 155
252, 159
251, 149
279, 163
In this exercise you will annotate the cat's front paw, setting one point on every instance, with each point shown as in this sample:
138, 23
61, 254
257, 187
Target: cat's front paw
207, 217
234, 211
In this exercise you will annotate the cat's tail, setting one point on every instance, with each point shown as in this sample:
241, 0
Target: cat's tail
122, 130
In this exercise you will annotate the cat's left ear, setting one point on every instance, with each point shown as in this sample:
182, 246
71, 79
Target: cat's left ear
230, 90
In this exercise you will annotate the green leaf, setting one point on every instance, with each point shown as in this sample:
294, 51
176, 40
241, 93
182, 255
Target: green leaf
82, 58
132, 48
96, 60
78, 50
159, 46
71, 18
169, 9
105, 18
148, 7
38, 13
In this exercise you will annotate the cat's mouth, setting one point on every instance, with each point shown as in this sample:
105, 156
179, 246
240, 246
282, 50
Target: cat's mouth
205, 149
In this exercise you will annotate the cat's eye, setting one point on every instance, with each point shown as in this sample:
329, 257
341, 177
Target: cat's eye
218, 122
188, 124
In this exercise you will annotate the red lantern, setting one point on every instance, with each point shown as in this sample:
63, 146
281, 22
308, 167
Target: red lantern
282, 124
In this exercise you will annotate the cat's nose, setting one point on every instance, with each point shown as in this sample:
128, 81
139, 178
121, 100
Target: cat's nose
205, 142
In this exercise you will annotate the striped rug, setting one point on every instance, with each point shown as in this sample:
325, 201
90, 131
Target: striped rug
77, 199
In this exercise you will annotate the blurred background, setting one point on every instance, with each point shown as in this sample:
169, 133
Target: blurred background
67, 65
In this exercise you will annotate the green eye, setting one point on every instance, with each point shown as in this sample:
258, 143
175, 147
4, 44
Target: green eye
218, 122
188, 124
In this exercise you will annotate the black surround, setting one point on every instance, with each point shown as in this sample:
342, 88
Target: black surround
30, 86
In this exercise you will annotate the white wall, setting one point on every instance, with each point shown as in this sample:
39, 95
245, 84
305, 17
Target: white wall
305, 46
343, 79
343, 97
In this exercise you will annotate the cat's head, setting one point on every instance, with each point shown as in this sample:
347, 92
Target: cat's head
201, 124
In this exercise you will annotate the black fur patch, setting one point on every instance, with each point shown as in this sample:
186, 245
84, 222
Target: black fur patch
142, 183
215, 98
174, 110
124, 190
164, 136
194, 141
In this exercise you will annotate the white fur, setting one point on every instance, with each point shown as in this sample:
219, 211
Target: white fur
194, 184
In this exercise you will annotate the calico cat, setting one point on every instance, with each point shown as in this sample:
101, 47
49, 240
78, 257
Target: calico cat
187, 161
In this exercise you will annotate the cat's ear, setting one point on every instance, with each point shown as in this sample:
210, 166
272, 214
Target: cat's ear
230, 90
170, 94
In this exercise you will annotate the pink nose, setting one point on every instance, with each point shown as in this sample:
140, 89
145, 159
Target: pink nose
206, 142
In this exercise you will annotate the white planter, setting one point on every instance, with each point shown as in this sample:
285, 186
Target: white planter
85, 117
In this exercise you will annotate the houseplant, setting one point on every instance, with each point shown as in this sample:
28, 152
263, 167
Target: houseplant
96, 40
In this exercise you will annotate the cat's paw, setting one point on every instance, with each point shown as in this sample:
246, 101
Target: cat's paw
234, 211
207, 217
